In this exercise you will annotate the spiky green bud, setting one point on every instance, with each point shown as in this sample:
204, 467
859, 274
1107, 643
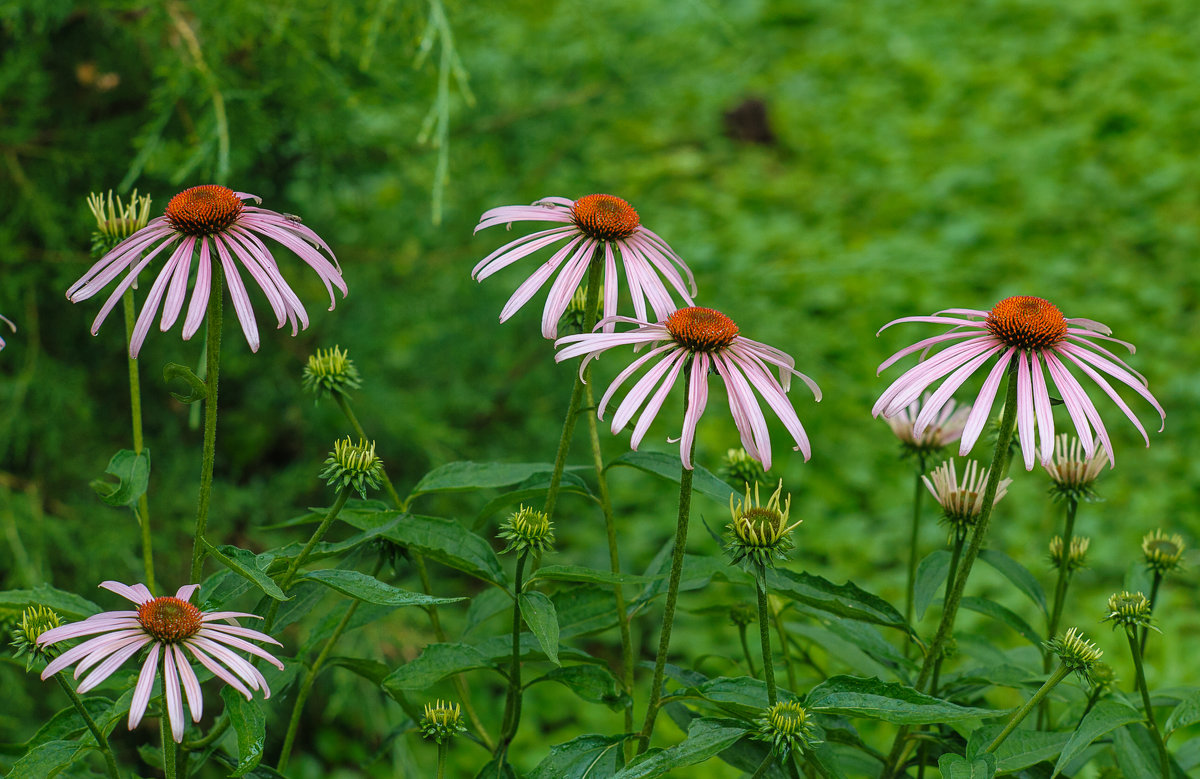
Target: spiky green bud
788, 727
330, 371
1129, 609
759, 533
1076, 652
353, 465
116, 220
742, 470
441, 721
1163, 552
35, 621
527, 530
1073, 558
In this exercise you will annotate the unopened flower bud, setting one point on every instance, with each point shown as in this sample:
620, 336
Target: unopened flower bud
353, 465
1129, 609
788, 727
1161, 552
330, 371
35, 621
442, 721
742, 470
962, 502
116, 220
572, 320
1072, 559
1076, 652
759, 534
742, 614
1073, 470
527, 530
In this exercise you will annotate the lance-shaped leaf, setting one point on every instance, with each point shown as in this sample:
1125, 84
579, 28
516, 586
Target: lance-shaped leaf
668, 466
845, 600
443, 540
1023, 748
66, 604
706, 737
1003, 615
1107, 716
465, 476
590, 682
537, 610
857, 696
246, 564
583, 757
47, 759
931, 576
1018, 574
250, 725
364, 587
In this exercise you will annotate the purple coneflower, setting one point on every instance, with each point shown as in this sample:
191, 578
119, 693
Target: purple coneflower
210, 217
705, 339
11, 326
168, 625
943, 430
589, 222
1032, 331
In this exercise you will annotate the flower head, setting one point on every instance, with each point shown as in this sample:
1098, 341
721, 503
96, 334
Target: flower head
945, 429
591, 224
527, 530
740, 468
962, 501
168, 625
442, 721
202, 221
1129, 609
1073, 470
788, 727
758, 533
116, 220
330, 371
353, 465
1076, 653
1163, 552
1072, 558
11, 326
699, 339
743, 614
1032, 334
35, 621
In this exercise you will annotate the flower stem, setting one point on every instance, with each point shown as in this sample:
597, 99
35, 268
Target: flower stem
1060, 596
443, 750
953, 598
288, 577
767, 762
664, 640
135, 407
777, 616
746, 651
951, 574
212, 374
1154, 585
169, 748
764, 636
1136, 651
110, 761
512, 705
1029, 706
914, 548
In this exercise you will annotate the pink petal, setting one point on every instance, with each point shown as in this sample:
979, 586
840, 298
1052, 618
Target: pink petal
145, 685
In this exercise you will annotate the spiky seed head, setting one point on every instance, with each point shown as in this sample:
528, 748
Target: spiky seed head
788, 727
1163, 552
35, 620
759, 533
442, 721
527, 530
742, 470
1073, 558
1076, 652
116, 220
330, 371
1129, 610
1073, 471
742, 614
353, 465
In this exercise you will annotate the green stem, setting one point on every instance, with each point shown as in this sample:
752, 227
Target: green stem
951, 574
344, 404
212, 372
443, 750
1029, 706
1136, 651
169, 748
664, 640
1154, 585
787, 653
950, 610
746, 650
218, 730
914, 548
1060, 597
110, 761
512, 705
764, 636
765, 765
135, 406
290, 576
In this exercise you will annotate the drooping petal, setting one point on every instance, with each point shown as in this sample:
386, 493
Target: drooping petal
191, 685
982, 407
696, 403
145, 685
171, 693
138, 593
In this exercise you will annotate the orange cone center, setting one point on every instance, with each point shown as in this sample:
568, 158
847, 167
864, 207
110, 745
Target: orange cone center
204, 210
605, 217
1027, 322
169, 619
701, 329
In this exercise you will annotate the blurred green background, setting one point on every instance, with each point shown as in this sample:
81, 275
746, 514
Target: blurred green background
824, 167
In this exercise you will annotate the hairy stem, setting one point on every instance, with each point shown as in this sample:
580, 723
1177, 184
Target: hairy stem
1136, 650
169, 748
512, 705
1060, 597
1029, 706
914, 548
746, 650
135, 408
208, 458
110, 761
951, 573
764, 636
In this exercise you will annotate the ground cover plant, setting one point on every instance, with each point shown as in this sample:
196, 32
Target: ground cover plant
776, 390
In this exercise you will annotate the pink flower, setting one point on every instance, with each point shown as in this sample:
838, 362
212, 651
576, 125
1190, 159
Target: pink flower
699, 339
588, 224
168, 625
11, 326
1033, 332
209, 218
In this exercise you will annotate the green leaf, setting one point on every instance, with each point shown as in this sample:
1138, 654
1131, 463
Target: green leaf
857, 696
578, 573
435, 663
66, 604
250, 725
1186, 713
364, 587
1001, 614
931, 576
669, 467
46, 760
496, 768
1023, 748
245, 564
533, 492
583, 757
741, 696
486, 605
197, 389
590, 682
584, 609
133, 477
537, 610
958, 767
465, 475
706, 737
443, 540
68, 723
1018, 575
1107, 716
1137, 754
845, 600
371, 670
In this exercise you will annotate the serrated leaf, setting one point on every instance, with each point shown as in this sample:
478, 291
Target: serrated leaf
1023, 748
364, 587
537, 610
435, 663
1107, 716
245, 564
579, 573
1018, 574
1003, 615
845, 600
47, 759
706, 737
197, 389
443, 540
68, 723
742, 696
856, 696
590, 682
669, 467
533, 491
958, 767
1184, 714
66, 604
931, 577
584, 757
250, 725
132, 471
465, 475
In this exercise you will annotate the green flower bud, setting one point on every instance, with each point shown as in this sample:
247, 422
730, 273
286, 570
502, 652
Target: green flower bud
353, 465
961, 502
441, 721
115, 220
742, 614
759, 534
742, 470
788, 727
572, 319
1072, 559
330, 371
1129, 609
1076, 652
527, 530
34, 622
1163, 553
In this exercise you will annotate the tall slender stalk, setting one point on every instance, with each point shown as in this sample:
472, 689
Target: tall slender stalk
512, 705
914, 547
764, 636
793, 684
169, 748
1029, 706
951, 575
208, 458
110, 761
1154, 585
290, 575
135, 409
1060, 597
1136, 650
746, 651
